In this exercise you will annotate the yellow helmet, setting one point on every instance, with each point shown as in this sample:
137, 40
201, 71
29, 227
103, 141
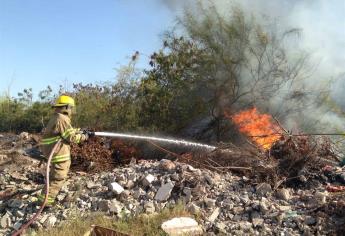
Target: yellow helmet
64, 100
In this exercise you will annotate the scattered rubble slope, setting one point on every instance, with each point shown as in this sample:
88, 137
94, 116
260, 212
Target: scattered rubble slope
228, 200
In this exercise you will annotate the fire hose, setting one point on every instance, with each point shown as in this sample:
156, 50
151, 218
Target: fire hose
23, 227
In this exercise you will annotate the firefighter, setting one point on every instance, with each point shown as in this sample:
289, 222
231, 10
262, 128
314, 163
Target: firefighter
59, 128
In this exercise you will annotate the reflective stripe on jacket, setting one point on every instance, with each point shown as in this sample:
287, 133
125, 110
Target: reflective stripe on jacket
59, 128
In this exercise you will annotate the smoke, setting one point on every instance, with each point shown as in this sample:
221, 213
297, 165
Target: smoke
323, 37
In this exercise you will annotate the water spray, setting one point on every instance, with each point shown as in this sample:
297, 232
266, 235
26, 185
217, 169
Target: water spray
152, 138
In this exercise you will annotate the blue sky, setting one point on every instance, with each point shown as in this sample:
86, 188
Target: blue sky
46, 42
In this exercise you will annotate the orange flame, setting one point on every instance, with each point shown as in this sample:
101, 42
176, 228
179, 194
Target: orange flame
252, 123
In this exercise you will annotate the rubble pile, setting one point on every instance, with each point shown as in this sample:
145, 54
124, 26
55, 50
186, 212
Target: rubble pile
227, 200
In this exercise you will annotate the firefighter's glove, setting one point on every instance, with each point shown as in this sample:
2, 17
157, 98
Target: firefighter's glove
88, 134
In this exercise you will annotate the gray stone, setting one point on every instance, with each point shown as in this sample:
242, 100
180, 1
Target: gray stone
188, 194
130, 184
92, 185
221, 227
283, 194
164, 192
193, 208
43, 219
115, 206
238, 210
182, 226
16, 203
309, 220
149, 207
210, 202
209, 179
50, 222
284, 208
103, 205
214, 215
263, 206
116, 188
137, 193
19, 214
320, 197
148, 180
263, 189
257, 222
5, 221
17, 225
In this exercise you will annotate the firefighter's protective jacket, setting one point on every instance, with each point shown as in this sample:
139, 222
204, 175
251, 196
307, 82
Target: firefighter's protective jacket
59, 127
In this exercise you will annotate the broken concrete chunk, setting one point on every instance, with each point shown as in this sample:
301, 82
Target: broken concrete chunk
5, 221
283, 194
164, 192
149, 207
263, 189
103, 205
214, 215
210, 202
17, 225
50, 222
167, 165
115, 206
193, 208
309, 220
182, 226
257, 222
148, 180
116, 188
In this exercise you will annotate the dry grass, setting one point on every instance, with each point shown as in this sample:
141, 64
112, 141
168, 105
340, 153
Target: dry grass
139, 225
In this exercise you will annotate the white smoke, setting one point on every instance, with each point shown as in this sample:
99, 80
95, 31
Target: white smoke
323, 36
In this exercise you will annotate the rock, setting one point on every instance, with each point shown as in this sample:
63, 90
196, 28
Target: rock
320, 197
137, 193
116, 188
263, 189
148, 180
149, 207
5, 221
214, 215
43, 219
167, 165
103, 205
220, 226
309, 220
263, 206
188, 194
193, 208
210, 202
92, 185
164, 192
284, 208
24, 136
283, 194
209, 179
19, 214
257, 222
16, 203
238, 210
50, 222
115, 206
130, 184
17, 225
182, 226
